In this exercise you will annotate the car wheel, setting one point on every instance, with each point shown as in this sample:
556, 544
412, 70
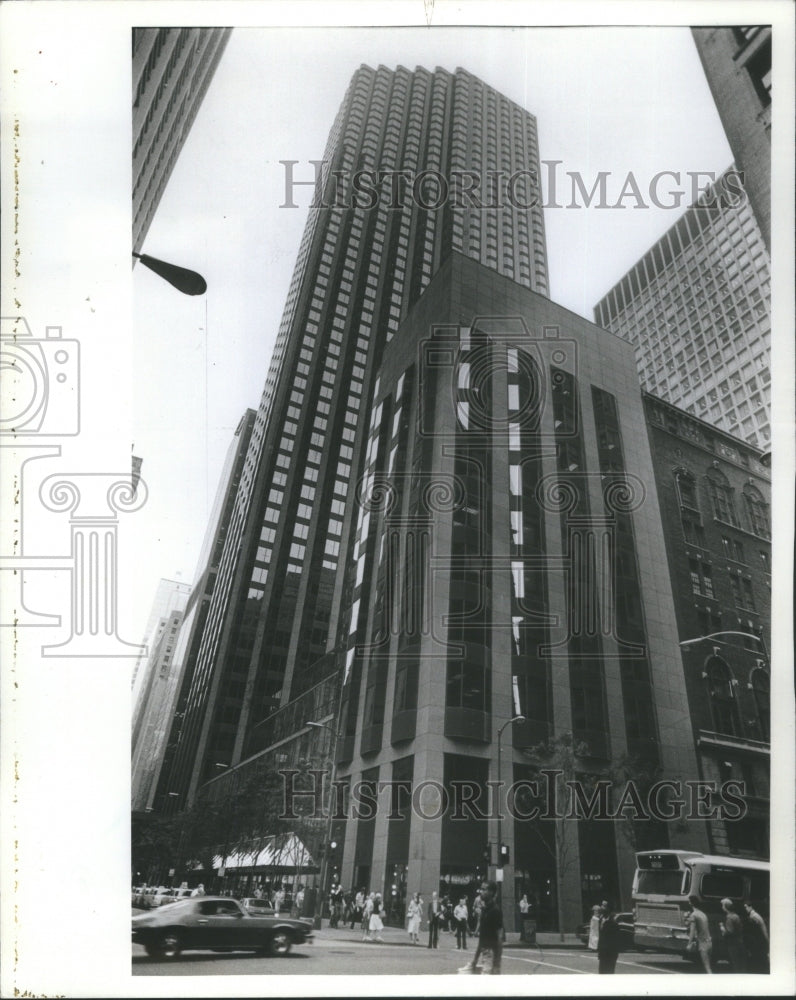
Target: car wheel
279, 944
168, 945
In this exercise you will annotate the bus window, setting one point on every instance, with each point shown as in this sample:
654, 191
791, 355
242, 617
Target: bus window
720, 884
666, 883
758, 885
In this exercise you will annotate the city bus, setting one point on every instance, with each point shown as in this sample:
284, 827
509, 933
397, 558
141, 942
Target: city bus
664, 882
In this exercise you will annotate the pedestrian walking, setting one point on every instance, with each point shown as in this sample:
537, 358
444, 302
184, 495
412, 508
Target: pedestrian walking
279, 901
367, 910
199, 890
377, 915
594, 928
699, 939
732, 931
608, 942
523, 908
414, 913
434, 917
460, 916
336, 904
490, 938
478, 906
756, 938
357, 908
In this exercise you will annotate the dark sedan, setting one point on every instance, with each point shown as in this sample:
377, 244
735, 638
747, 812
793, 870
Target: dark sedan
216, 923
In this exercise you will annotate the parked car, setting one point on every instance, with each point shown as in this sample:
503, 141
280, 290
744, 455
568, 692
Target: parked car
625, 921
216, 923
172, 895
260, 906
153, 896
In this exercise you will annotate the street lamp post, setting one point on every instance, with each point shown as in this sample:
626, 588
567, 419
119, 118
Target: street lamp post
318, 915
717, 635
517, 718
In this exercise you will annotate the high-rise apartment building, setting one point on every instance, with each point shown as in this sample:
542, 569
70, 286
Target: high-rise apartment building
697, 307
154, 715
153, 677
715, 496
170, 595
172, 69
276, 609
415, 630
737, 64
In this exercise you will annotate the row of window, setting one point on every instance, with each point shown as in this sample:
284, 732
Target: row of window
722, 499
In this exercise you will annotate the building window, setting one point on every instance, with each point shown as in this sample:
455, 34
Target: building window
721, 495
757, 512
701, 577
686, 490
723, 706
760, 684
694, 533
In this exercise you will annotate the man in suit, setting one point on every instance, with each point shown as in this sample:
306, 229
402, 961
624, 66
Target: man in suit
490, 937
434, 917
608, 943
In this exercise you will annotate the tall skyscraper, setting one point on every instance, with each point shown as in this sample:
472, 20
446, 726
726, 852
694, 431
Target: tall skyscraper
153, 677
170, 595
515, 451
277, 604
154, 715
172, 69
697, 307
737, 64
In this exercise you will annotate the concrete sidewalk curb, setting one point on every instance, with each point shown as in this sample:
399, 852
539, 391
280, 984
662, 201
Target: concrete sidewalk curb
398, 937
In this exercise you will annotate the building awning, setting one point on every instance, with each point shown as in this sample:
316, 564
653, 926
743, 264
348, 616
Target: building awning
286, 851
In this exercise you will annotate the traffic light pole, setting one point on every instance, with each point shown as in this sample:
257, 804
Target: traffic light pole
500, 855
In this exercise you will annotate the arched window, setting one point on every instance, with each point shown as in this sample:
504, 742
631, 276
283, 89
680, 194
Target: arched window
721, 495
686, 489
760, 683
723, 706
757, 511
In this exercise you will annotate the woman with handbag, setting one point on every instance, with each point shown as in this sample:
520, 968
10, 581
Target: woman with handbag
414, 913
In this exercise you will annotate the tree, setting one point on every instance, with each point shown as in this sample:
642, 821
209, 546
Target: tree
558, 764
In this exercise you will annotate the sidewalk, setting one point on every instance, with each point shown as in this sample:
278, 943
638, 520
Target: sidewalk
447, 941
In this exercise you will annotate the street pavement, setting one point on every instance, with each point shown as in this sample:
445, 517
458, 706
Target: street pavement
342, 951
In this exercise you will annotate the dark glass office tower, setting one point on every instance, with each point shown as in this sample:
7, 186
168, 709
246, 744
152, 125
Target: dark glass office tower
449, 159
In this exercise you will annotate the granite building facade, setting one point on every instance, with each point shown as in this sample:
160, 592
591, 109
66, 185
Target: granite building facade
505, 566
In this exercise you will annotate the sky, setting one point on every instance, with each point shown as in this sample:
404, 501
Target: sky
606, 99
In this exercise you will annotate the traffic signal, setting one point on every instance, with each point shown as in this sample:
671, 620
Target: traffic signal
504, 855
488, 854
